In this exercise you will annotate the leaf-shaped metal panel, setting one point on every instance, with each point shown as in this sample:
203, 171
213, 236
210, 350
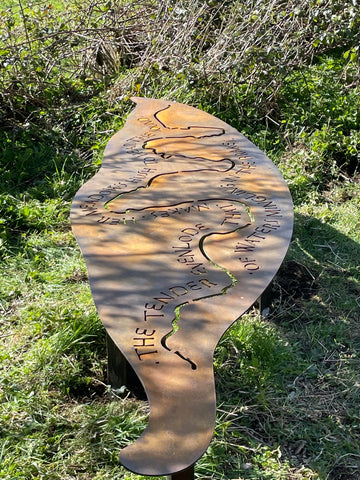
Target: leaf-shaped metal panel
182, 229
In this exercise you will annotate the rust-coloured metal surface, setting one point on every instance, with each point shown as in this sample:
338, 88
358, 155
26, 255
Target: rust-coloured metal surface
182, 229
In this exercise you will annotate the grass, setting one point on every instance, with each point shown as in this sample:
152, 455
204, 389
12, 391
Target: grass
288, 384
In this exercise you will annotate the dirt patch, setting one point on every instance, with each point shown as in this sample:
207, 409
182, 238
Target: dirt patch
295, 282
348, 166
78, 276
84, 391
344, 473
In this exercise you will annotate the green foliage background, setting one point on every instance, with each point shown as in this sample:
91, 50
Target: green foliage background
284, 73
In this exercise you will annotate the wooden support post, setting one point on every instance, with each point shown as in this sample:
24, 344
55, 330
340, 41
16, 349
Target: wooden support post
120, 372
116, 365
264, 301
187, 474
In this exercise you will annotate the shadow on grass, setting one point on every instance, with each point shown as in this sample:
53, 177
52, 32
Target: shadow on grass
288, 385
39, 175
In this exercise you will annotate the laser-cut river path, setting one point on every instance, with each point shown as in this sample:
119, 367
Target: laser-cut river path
182, 229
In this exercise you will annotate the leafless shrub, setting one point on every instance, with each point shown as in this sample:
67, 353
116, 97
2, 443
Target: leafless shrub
173, 44
228, 44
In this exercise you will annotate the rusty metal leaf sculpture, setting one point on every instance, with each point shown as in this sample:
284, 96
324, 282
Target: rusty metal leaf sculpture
182, 229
